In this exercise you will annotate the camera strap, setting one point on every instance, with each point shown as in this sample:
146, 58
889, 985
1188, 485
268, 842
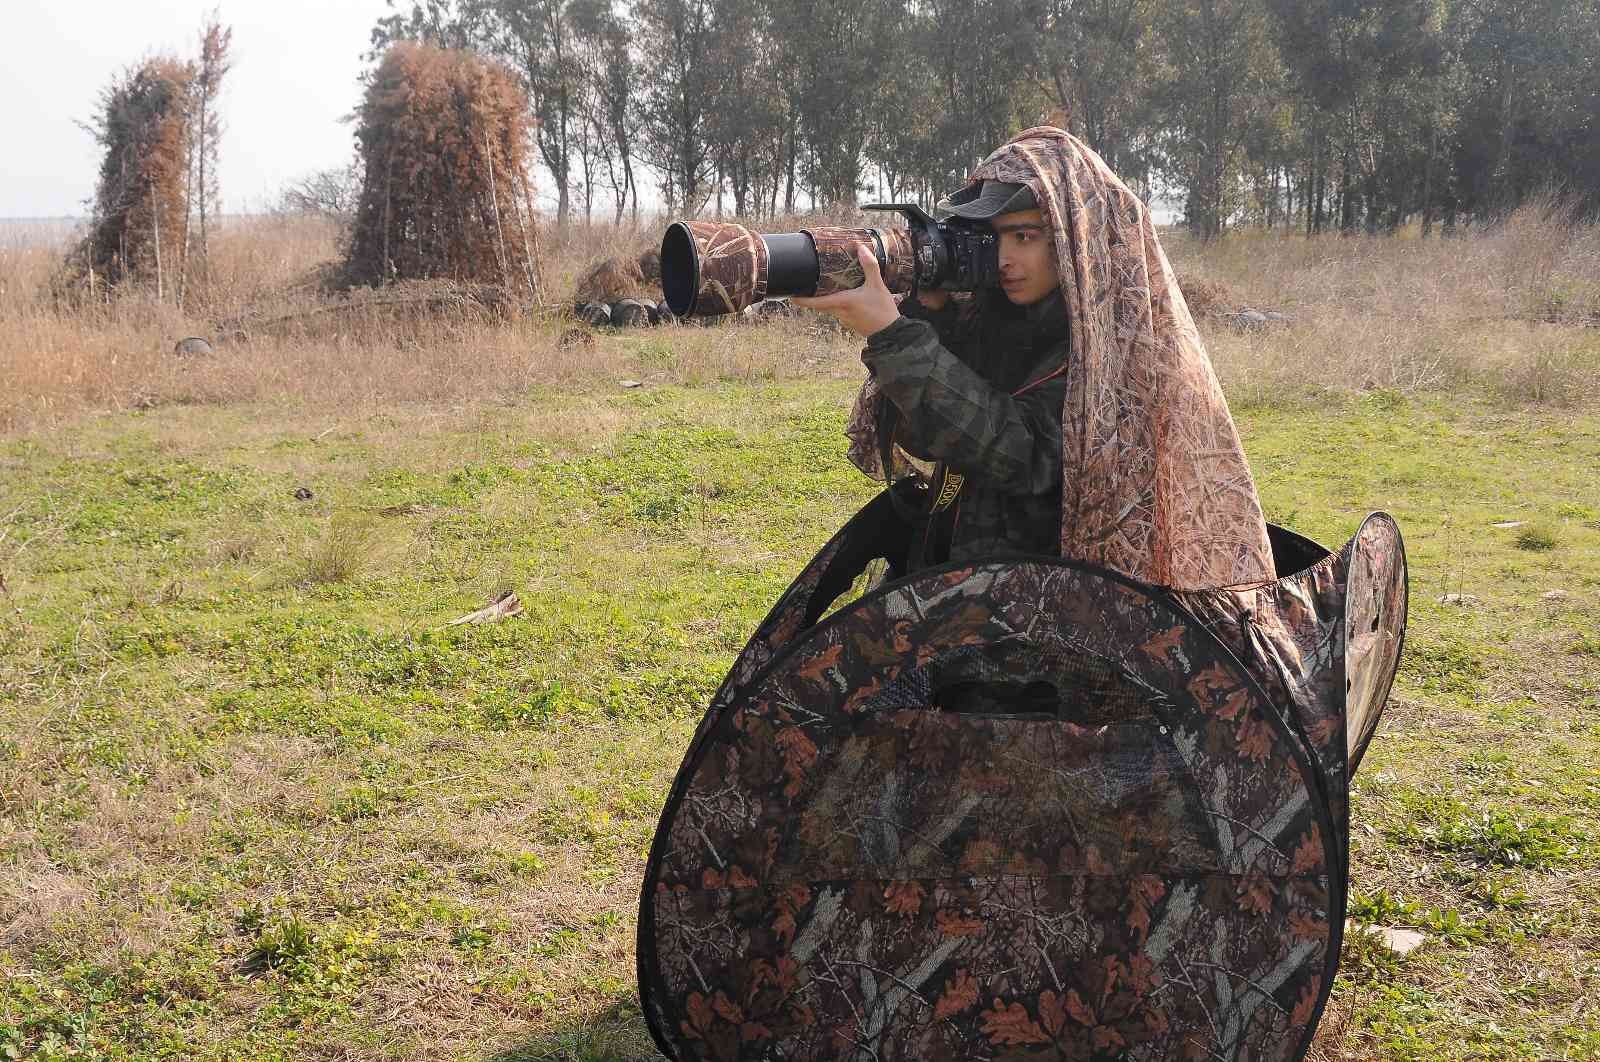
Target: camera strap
888, 417
947, 481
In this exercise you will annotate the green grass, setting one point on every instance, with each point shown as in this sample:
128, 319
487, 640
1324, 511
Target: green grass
258, 799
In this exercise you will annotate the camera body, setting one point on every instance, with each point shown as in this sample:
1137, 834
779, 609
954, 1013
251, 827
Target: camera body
713, 268
951, 255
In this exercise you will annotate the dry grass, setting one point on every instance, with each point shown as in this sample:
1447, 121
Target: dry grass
1511, 310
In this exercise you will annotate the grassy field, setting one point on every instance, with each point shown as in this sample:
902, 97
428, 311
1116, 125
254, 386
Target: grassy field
260, 801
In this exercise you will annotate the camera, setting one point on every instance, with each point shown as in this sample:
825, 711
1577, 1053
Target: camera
712, 268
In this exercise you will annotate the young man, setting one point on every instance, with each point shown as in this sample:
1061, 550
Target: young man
976, 388
1073, 412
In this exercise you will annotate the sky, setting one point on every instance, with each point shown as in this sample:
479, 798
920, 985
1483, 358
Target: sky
295, 70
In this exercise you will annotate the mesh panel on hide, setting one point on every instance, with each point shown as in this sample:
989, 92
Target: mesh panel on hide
1018, 678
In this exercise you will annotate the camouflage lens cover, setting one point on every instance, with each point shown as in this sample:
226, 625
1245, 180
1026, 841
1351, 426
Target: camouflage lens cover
838, 268
730, 269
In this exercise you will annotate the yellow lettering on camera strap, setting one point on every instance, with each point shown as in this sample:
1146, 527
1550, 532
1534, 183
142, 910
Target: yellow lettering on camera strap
949, 490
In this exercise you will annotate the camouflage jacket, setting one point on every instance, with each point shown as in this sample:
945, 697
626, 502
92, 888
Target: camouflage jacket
978, 388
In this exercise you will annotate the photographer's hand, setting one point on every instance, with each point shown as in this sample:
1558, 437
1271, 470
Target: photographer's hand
863, 310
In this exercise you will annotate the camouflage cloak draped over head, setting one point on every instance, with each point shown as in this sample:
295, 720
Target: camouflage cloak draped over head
1155, 483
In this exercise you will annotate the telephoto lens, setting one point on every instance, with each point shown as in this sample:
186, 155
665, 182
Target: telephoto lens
711, 268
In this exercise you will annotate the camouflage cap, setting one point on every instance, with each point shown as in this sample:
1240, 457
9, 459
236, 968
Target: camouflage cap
980, 201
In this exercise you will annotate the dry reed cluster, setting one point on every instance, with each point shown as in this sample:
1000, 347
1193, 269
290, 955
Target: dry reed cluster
1512, 309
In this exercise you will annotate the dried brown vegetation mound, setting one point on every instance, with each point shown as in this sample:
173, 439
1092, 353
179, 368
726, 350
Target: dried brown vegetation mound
1206, 296
613, 279
443, 139
140, 226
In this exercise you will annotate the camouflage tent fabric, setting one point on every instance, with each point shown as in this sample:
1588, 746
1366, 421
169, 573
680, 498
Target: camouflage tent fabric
1021, 810
1155, 483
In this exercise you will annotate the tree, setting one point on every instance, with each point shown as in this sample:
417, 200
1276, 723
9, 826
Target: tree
608, 63
832, 52
745, 123
1221, 74
441, 23
981, 53
1097, 58
206, 140
332, 193
539, 39
1530, 105
1360, 113
681, 79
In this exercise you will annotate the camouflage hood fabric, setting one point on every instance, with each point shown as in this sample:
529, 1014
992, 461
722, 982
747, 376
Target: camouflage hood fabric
1022, 810
1155, 483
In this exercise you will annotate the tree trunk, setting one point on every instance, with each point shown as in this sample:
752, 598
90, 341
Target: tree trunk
155, 223
205, 246
788, 187
631, 189
1427, 180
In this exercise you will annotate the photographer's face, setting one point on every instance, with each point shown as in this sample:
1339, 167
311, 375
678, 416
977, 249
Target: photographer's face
1027, 256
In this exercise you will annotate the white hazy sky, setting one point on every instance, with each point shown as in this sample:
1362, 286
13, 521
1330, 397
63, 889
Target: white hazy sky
295, 69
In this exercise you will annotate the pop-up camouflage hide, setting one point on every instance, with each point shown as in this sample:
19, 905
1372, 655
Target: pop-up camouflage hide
1022, 810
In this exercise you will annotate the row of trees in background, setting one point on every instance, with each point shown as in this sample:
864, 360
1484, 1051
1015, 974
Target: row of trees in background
1326, 114
159, 127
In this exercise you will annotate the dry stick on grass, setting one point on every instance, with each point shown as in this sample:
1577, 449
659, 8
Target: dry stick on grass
504, 606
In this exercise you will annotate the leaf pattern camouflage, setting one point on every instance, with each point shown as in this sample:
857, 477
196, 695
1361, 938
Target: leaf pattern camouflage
733, 268
1155, 483
862, 859
838, 268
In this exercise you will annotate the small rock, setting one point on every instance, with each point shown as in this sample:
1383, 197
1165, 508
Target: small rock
1506, 525
1554, 595
193, 347
303, 494
631, 383
1400, 941
1457, 599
